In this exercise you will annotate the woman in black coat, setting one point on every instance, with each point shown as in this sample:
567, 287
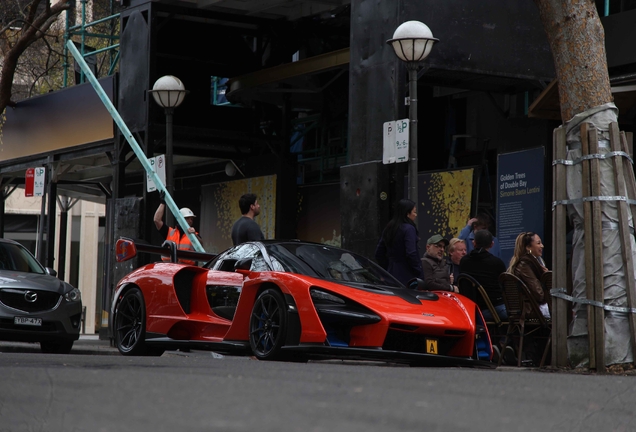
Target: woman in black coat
398, 250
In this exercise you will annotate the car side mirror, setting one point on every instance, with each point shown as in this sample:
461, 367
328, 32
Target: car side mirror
125, 249
243, 266
416, 284
50, 271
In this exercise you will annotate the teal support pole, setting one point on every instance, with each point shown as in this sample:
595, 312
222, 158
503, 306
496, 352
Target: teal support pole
134, 145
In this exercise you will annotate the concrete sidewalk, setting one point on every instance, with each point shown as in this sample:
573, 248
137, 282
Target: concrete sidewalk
87, 344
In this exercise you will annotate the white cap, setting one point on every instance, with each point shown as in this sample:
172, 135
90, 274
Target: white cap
186, 212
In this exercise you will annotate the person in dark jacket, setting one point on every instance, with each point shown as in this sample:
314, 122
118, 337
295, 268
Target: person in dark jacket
485, 268
436, 273
481, 222
398, 251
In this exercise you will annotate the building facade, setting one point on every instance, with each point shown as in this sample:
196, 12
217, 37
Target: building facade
288, 100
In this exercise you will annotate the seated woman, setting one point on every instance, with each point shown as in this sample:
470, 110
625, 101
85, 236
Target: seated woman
528, 265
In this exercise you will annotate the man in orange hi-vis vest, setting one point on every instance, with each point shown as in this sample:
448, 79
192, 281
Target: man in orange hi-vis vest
176, 234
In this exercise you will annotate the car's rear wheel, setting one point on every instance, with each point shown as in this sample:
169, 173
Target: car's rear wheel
268, 325
130, 325
59, 347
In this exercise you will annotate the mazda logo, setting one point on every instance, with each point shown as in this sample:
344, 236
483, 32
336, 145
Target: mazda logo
30, 296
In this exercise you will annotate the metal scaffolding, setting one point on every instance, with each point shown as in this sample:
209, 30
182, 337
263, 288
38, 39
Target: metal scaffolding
82, 30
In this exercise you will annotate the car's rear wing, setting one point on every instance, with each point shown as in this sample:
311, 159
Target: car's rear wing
126, 249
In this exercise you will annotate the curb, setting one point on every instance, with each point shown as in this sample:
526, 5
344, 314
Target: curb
87, 344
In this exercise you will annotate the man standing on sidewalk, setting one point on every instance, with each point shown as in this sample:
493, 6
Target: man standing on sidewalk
245, 228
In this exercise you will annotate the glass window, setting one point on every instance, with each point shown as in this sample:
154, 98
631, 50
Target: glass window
226, 261
218, 87
329, 263
16, 258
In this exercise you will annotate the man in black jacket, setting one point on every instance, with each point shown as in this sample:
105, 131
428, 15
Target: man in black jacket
485, 268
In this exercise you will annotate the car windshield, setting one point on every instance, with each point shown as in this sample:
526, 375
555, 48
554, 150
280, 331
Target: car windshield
16, 257
329, 263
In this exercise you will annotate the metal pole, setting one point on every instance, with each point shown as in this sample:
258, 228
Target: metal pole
50, 218
413, 192
169, 166
39, 246
82, 78
61, 247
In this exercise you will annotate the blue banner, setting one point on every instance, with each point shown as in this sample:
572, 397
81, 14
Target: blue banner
520, 197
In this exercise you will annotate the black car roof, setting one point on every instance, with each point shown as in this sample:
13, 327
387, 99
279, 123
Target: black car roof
293, 241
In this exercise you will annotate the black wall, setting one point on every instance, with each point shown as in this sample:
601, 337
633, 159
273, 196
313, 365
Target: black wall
488, 47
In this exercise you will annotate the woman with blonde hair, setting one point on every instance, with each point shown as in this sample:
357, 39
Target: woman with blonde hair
528, 265
456, 251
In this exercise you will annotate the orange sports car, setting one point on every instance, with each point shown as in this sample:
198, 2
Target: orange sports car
291, 300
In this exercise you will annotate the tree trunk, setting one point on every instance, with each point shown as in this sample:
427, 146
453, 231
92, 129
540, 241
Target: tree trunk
577, 41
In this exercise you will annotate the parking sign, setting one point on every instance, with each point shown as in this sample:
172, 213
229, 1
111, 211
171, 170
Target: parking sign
158, 164
396, 141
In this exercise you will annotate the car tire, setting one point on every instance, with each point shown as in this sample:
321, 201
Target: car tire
130, 325
268, 325
60, 347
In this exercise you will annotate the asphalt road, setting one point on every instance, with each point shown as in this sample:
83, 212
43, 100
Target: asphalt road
202, 391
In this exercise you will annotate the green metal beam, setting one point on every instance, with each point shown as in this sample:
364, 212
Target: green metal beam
134, 145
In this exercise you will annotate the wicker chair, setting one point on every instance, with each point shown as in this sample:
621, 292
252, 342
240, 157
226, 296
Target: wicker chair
524, 315
471, 288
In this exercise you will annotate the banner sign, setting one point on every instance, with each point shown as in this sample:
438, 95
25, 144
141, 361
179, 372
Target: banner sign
395, 141
520, 197
445, 199
34, 182
28, 183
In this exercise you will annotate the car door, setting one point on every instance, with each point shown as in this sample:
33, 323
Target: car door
223, 296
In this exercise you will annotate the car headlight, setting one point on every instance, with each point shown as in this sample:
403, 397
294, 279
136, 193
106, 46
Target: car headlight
325, 297
73, 295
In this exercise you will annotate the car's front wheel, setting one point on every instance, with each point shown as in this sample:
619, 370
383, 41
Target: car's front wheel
130, 325
268, 325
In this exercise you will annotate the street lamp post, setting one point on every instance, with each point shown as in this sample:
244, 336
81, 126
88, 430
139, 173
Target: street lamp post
412, 43
169, 92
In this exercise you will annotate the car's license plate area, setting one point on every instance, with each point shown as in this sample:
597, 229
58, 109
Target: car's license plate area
27, 321
431, 346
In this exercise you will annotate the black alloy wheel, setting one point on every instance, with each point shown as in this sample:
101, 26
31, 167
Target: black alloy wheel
268, 325
130, 325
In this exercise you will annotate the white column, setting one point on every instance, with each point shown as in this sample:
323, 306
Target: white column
89, 228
